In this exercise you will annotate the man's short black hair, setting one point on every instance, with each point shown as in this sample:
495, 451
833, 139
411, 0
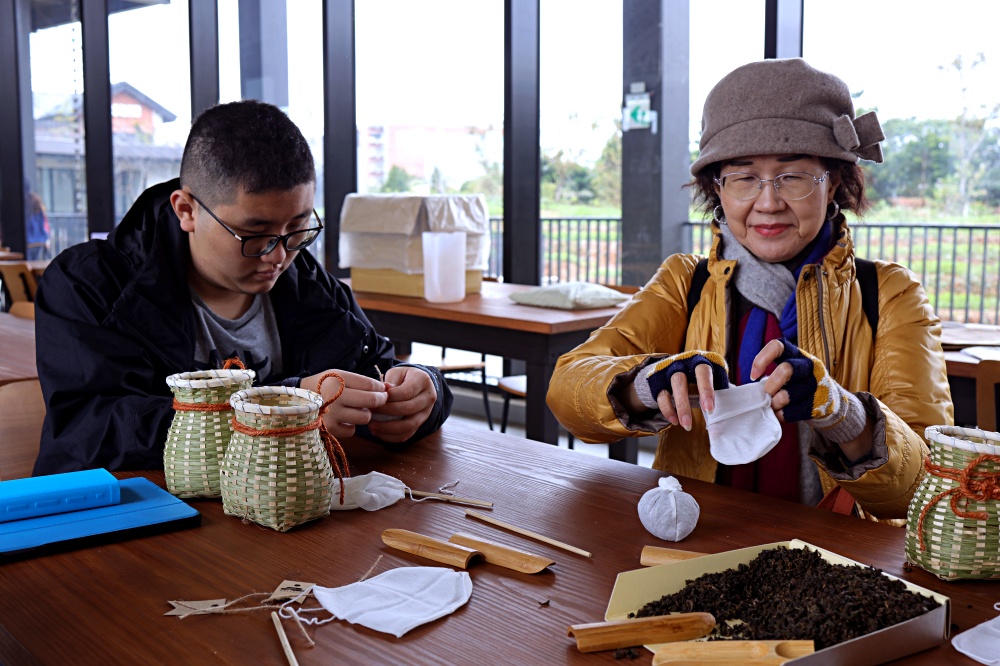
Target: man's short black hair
247, 144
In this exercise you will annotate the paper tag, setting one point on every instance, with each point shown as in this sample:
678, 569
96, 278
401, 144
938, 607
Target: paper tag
184, 608
291, 589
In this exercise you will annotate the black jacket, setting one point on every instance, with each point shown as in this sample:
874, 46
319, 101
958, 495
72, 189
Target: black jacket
114, 318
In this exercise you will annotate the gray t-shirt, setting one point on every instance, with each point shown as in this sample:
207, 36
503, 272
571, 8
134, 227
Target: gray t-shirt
253, 338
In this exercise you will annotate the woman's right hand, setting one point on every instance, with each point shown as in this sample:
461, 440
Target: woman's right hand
666, 384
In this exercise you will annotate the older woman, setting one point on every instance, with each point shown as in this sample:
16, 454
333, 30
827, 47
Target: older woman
781, 302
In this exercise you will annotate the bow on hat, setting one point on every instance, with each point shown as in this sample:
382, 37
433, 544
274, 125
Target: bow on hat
860, 136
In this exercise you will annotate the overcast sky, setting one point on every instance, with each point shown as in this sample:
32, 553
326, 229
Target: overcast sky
441, 61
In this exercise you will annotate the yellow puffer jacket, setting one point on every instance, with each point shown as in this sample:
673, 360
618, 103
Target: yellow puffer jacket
905, 371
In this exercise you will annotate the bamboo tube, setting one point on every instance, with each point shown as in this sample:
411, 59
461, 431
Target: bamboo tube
429, 547
524, 532
504, 556
641, 631
654, 555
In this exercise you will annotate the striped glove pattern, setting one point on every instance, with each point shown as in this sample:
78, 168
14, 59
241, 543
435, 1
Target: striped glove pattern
655, 377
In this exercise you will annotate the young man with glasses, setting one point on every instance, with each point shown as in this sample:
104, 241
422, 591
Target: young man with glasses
201, 269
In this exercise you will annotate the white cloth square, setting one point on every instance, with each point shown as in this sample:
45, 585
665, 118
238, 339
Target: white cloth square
399, 599
742, 427
981, 643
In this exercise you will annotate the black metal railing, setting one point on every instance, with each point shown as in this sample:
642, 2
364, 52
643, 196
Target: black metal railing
959, 266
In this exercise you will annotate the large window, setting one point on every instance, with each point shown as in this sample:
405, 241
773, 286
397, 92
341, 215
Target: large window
284, 67
580, 136
934, 79
150, 97
57, 201
430, 97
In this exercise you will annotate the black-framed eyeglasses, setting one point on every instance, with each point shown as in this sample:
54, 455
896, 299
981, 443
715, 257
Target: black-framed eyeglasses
258, 246
789, 186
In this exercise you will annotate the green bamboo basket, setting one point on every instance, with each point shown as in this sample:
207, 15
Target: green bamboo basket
955, 546
276, 480
197, 440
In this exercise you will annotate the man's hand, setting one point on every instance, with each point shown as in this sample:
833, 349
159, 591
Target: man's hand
411, 398
362, 395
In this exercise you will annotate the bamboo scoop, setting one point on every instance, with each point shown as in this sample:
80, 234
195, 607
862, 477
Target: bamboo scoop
758, 653
503, 556
429, 547
641, 631
653, 555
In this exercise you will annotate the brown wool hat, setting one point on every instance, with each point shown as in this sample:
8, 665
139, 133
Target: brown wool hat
784, 106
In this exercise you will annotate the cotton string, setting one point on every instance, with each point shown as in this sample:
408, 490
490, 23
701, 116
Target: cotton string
443, 490
972, 484
209, 406
292, 613
338, 459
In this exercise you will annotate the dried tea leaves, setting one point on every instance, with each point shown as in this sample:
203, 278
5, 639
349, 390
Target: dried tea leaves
787, 594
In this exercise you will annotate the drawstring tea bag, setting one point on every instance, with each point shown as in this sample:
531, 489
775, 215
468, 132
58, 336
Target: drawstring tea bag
371, 492
200, 430
668, 512
742, 427
279, 468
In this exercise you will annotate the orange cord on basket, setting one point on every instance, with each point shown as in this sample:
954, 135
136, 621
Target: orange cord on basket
979, 486
338, 459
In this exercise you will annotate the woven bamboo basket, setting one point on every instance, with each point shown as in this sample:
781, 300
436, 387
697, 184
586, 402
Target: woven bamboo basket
953, 522
278, 480
200, 430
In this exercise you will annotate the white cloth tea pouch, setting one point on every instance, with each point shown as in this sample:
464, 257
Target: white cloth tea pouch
981, 643
370, 492
743, 427
399, 599
667, 512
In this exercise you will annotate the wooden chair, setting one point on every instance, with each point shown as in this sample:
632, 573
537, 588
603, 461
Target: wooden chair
22, 309
453, 363
22, 410
18, 282
987, 394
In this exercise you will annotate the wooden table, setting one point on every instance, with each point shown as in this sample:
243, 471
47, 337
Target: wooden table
491, 323
106, 604
7, 255
17, 349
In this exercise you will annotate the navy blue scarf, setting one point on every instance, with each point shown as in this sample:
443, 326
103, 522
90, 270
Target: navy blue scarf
753, 337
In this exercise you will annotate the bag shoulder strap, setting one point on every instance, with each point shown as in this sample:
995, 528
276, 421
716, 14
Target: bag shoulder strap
698, 281
868, 280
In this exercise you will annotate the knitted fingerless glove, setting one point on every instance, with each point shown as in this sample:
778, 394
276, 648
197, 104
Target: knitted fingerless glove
817, 399
655, 377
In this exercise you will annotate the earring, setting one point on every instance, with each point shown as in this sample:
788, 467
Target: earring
718, 215
836, 210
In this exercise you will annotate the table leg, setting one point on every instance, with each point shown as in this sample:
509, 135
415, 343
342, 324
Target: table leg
626, 450
540, 423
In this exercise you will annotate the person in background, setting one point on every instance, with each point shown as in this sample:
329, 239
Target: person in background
204, 268
782, 304
37, 231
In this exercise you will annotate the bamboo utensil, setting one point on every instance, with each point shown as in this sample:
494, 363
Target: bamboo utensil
451, 498
283, 637
641, 631
523, 532
758, 653
429, 547
504, 556
654, 555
